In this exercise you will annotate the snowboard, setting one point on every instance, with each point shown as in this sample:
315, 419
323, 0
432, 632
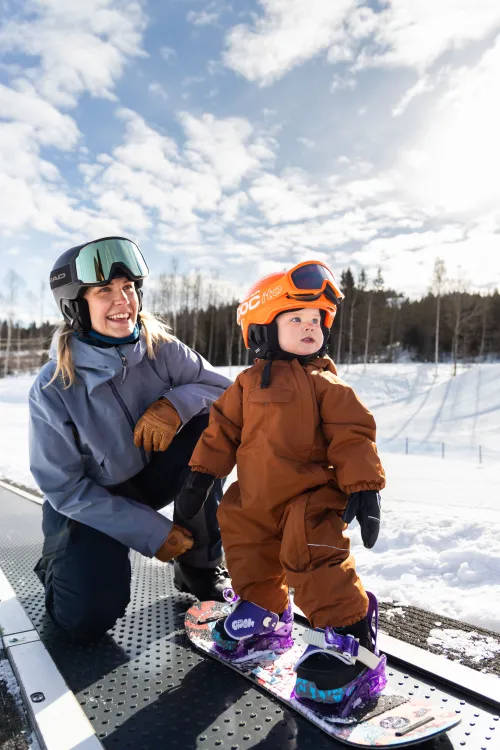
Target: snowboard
390, 721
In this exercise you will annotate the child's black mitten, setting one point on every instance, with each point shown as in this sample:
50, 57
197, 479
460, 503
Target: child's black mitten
365, 506
193, 494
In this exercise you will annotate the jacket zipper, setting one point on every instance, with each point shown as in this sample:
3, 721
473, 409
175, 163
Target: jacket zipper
127, 415
124, 364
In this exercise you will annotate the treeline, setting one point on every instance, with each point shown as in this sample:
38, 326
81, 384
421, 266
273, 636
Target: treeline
373, 324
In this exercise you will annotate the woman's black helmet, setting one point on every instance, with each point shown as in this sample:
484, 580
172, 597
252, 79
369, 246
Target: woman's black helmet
93, 264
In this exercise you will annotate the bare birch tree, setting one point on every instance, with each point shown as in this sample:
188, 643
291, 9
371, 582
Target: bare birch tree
196, 309
368, 328
484, 324
13, 282
438, 281
348, 284
339, 334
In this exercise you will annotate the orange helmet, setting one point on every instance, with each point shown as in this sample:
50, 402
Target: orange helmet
308, 284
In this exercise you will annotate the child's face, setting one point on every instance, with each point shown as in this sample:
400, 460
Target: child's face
299, 332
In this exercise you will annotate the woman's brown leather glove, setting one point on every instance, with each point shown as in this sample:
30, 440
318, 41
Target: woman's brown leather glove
177, 542
156, 429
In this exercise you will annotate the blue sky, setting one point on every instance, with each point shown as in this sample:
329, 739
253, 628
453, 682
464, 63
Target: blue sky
241, 137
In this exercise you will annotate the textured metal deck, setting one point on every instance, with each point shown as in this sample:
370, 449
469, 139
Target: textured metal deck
143, 687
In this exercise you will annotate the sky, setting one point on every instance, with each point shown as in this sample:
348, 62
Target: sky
239, 137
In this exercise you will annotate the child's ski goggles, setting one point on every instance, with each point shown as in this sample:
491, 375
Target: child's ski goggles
309, 280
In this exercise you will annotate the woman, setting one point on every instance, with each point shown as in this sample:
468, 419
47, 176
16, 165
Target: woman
114, 417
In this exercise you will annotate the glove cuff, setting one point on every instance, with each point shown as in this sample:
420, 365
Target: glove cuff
179, 540
201, 470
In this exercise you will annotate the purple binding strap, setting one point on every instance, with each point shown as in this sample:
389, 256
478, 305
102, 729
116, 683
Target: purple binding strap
343, 644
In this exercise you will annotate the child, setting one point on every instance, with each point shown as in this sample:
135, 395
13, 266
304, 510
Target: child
304, 446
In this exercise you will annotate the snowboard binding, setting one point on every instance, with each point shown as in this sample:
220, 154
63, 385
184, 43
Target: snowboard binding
362, 668
251, 632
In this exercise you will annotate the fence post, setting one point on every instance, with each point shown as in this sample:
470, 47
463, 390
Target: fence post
480, 454
406, 447
442, 450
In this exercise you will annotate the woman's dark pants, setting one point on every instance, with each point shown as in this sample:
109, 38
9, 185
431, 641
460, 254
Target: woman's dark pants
87, 574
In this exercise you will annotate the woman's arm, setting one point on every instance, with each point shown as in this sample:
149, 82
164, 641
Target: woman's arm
58, 469
195, 385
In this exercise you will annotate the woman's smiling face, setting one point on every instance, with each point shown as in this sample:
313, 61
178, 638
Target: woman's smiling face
299, 331
113, 308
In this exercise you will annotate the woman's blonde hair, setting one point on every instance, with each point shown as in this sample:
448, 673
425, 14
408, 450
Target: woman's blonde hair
155, 330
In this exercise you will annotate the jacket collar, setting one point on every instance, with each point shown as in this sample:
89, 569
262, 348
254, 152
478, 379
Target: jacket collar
318, 363
96, 365
323, 363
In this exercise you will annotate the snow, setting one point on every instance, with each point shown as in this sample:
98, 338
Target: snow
439, 545
8, 678
14, 459
475, 646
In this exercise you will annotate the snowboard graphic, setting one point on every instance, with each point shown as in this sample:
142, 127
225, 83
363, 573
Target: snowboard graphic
391, 720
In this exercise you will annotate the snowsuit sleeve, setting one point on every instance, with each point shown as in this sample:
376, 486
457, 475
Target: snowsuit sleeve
58, 468
215, 452
194, 384
350, 430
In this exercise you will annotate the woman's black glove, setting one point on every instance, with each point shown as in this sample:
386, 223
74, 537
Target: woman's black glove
193, 495
365, 505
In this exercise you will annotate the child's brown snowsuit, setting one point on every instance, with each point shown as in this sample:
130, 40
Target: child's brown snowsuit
301, 446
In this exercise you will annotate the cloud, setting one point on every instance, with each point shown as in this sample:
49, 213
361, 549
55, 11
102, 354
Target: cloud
190, 80
399, 34
157, 89
424, 84
168, 53
416, 34
80, 46
342, 82
39, 120
216, 193
202, 18
454, 162
72, 48
289, 33
28, 182
306, 142
229, 146
176, 186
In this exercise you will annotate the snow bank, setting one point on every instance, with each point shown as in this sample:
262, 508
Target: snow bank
439, 544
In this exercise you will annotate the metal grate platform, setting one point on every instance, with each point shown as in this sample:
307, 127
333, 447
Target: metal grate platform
142, 686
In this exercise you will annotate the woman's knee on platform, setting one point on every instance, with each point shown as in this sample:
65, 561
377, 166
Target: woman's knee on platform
87, 618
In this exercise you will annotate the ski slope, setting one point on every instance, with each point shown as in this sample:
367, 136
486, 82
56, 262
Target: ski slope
439, 546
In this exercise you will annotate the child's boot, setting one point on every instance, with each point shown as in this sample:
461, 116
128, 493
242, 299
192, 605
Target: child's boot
251, 632
341, 668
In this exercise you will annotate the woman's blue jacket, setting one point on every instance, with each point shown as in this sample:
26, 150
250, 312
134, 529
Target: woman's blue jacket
81, 438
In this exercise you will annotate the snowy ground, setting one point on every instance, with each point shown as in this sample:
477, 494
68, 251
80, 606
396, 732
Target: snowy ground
439, 546
15, 733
